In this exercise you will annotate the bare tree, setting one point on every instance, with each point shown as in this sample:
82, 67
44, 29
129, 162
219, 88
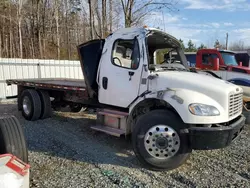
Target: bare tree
53, 28
110, 15
238, 46
135, 10
57, 27
19, 18
104, 18
99, 20
91, 19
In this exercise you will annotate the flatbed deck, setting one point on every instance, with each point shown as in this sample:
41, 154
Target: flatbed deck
56, 83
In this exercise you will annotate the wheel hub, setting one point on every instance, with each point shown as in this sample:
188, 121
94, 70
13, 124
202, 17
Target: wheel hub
162, 141
26, 105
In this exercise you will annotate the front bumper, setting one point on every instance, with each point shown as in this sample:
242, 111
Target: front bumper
206, 138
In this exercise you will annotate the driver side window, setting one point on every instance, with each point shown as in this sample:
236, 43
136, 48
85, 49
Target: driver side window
126, 54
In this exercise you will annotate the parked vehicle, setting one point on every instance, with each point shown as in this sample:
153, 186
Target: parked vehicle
242, 57
228, 60
14, 170
167, 108
223, 64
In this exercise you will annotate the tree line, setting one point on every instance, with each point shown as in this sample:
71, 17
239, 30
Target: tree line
235, 46
51, 29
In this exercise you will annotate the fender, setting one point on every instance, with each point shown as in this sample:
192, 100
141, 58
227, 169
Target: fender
180, 99
240, 81
245, 85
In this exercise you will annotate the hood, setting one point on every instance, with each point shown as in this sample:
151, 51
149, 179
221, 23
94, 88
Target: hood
208, 85
245, 69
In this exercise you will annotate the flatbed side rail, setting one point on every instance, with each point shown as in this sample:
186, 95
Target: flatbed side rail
44, 85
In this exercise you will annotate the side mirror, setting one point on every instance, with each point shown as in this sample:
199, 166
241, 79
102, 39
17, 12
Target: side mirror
240, 64
216, 63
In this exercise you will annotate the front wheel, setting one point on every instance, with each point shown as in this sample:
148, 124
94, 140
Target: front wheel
158, 141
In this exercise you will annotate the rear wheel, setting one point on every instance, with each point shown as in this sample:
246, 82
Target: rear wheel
158, 141
12, 140
31, 104
46, 109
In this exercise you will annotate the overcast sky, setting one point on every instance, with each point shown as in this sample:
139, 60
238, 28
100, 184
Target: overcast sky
204, 21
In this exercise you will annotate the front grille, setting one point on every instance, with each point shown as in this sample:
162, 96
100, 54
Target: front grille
235, 104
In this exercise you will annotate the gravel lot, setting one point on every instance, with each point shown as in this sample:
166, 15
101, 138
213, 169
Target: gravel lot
65, 152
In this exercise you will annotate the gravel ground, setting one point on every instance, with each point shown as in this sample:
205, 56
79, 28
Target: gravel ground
65, 152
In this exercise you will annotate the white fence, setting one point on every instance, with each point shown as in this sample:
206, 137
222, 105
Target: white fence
35, 68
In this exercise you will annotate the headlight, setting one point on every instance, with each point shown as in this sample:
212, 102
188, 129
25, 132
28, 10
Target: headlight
203, 110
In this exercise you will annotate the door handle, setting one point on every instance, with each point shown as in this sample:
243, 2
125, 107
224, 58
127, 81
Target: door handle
105, 82
130, 73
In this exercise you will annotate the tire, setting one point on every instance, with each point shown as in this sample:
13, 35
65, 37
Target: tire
12, 140
19, 103
33, 108
176, 155
247, 116
46, 110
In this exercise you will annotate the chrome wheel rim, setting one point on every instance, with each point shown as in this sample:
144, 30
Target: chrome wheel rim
26, 105
162, 142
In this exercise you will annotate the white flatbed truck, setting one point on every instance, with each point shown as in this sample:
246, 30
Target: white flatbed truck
168, 110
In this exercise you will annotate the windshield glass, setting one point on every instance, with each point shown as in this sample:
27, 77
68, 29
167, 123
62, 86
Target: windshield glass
168, 55
164, 52
169, 58
229, 58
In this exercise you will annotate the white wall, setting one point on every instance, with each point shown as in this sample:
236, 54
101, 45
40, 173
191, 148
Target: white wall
35, 68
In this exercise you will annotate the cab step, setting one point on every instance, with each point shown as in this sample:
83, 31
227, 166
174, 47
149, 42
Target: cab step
111, 122
108, 130
112, 113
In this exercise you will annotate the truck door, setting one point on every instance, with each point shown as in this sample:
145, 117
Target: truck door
120, 72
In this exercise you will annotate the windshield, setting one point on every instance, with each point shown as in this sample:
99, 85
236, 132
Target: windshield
229, 58
164, 52
168, 59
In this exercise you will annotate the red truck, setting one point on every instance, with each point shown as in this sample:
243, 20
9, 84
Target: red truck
207, 59
223, 64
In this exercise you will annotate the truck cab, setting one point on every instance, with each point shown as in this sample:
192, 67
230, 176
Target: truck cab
166, 108
123, 74
213, 59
